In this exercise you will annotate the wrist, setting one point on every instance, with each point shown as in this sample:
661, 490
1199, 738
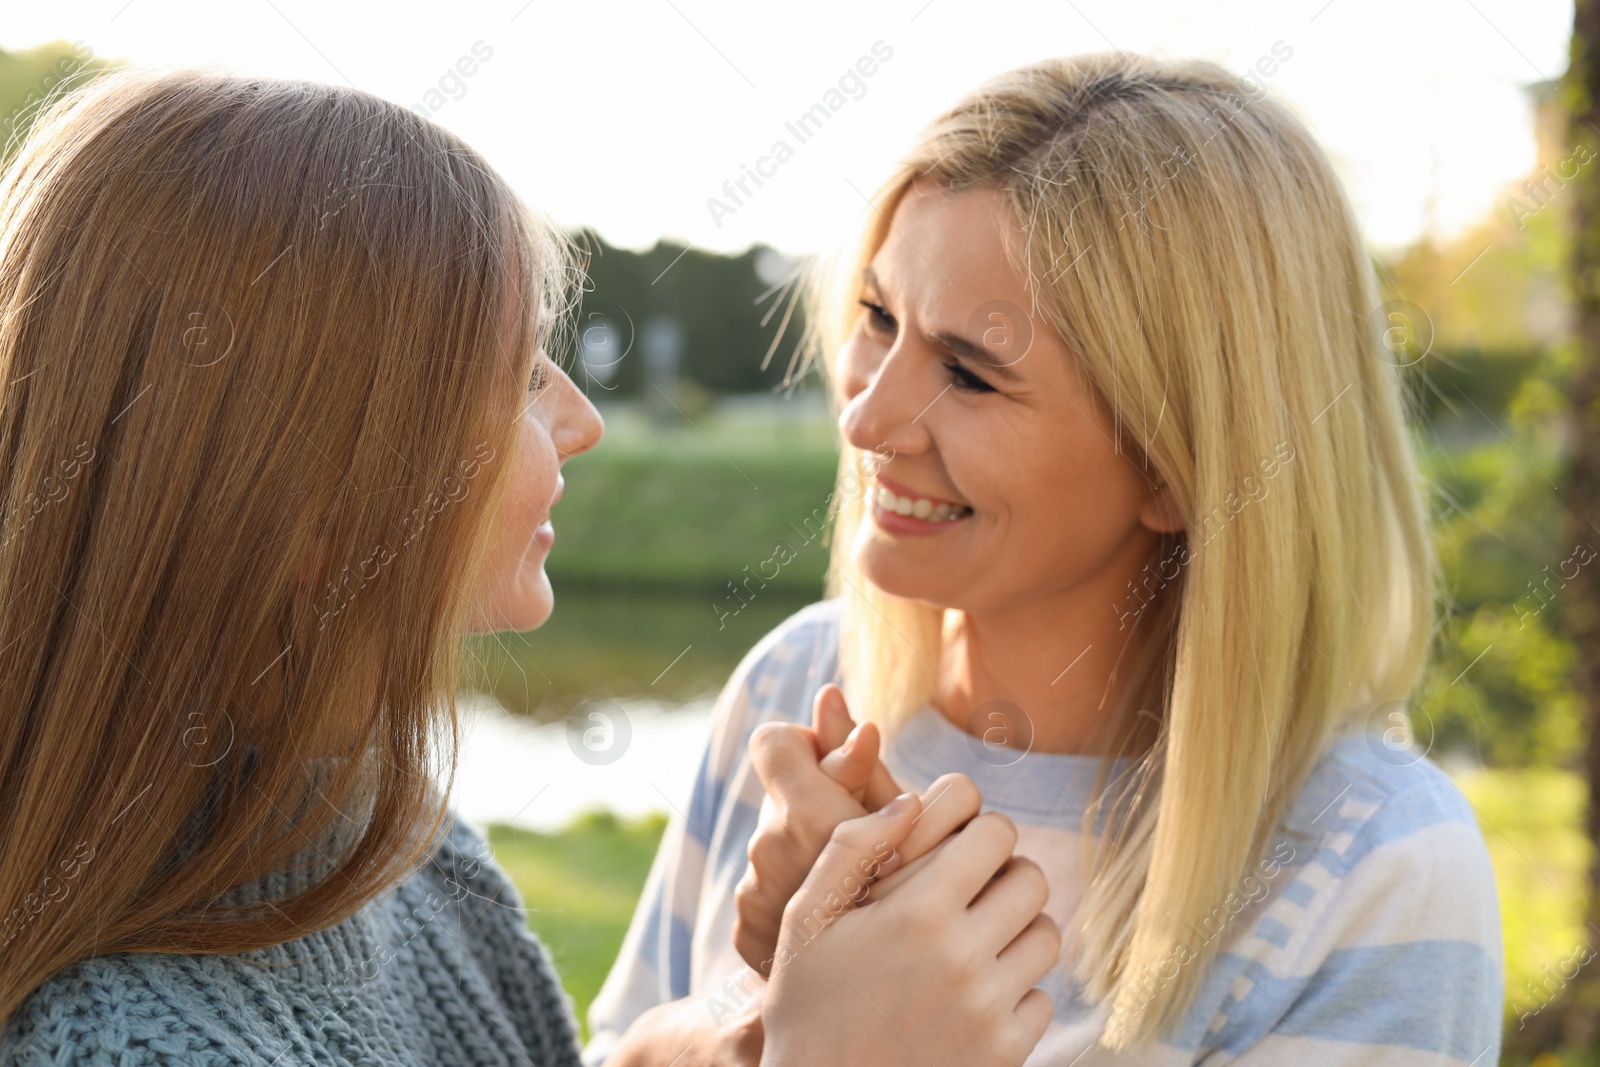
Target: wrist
681, 1033
743, 1038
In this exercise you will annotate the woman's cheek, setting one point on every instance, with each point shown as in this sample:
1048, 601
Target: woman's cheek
535, 477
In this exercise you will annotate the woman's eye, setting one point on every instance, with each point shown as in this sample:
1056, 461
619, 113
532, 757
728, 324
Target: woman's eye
965, 379
881, 320
540, 375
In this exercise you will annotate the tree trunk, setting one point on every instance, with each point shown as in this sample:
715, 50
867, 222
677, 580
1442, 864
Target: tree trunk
1580, 491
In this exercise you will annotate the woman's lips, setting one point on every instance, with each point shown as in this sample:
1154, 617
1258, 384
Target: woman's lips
898, 509
545, 535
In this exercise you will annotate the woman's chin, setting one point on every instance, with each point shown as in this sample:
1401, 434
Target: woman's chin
891, 572
525, 604
536, 603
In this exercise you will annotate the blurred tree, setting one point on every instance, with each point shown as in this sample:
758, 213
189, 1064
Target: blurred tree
1487, 343
741, 316
1490, 298
30, 77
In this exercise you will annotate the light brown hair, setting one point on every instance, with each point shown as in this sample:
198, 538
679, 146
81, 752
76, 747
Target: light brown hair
264, 344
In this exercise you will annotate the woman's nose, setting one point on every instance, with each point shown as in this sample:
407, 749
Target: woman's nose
578, 426
881, 413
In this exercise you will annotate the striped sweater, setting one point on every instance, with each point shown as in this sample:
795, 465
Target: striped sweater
1368, 933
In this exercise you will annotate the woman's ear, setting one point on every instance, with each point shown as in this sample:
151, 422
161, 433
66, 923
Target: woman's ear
1160, 511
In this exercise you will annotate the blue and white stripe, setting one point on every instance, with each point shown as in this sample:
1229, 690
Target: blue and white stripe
1377, 939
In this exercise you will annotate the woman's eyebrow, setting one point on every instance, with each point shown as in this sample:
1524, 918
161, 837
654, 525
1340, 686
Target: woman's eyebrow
954, 343
975, 353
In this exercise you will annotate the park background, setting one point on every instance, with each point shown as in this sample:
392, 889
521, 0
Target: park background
1459, 152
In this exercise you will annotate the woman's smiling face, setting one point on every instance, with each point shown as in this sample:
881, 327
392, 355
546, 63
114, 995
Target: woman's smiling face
999, 450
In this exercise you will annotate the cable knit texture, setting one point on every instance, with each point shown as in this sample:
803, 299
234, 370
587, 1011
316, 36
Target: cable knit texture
441, 970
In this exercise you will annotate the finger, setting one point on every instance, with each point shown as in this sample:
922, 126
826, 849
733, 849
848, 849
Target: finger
881, 787
947, 805
1008, 904
1034, 1013
785, 759
755, 927
851, 763
1029, 957
806, 803
901, 870
976, 852
830, 719
833, 724
855, 851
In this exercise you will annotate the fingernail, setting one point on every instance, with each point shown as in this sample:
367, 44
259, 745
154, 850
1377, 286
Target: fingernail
851, 739
898, 806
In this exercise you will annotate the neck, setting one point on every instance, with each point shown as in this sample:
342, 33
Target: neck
1073, 673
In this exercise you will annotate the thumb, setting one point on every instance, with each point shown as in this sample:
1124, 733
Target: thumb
858, 851
848, 752
857, 766
830, 719
852, 763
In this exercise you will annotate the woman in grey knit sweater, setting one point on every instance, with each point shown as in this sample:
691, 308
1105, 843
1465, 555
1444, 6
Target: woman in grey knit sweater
278, 429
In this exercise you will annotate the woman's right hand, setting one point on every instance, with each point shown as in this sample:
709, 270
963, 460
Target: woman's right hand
945, 965
815, 779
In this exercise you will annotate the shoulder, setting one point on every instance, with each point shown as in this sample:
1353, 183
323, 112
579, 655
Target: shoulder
463, 865
485, 947
1397, 852
804, 647
1366, 806
776, 680
1379, 920
452, 937
488, 917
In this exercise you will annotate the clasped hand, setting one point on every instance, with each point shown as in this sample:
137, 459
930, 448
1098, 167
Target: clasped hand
947, 955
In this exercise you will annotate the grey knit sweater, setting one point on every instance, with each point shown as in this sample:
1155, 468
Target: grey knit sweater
440, 970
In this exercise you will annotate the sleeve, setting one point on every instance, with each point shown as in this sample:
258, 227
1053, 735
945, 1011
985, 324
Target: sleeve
1397, 957
654, 965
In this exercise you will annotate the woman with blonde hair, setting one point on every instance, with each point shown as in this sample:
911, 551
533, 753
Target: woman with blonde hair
279, 427
1131, 534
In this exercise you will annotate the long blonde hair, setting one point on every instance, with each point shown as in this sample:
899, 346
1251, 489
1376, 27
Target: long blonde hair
1190, 242
264, 345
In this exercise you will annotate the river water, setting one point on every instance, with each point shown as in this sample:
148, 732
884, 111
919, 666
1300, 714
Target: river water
630, 756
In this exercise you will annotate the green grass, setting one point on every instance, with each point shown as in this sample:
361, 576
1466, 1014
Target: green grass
675, 509
1532, 823
581, 884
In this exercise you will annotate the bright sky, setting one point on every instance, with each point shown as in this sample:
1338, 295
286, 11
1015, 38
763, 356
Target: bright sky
629, 116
